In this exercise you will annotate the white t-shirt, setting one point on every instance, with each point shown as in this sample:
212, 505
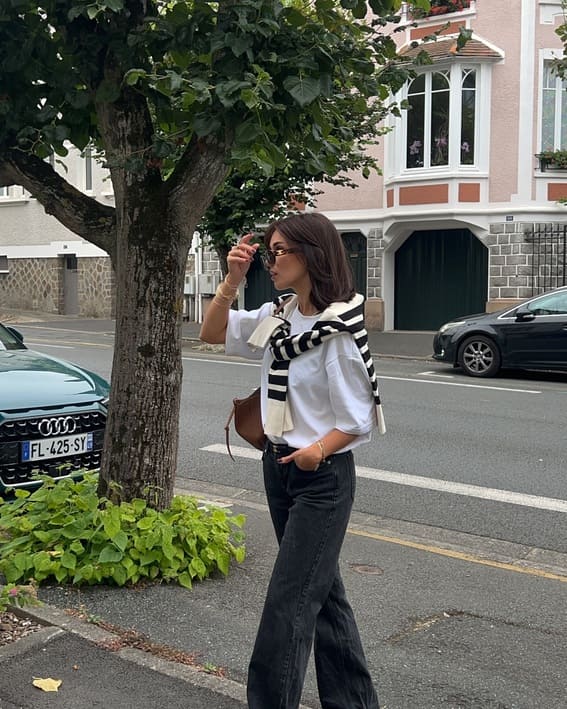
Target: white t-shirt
328, 386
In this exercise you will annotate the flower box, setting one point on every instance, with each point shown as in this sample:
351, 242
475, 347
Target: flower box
441, 7
552, 160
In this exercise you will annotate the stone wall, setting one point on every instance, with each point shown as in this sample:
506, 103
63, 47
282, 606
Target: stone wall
375, 250
374, 306
32, 284
519, 267
96, 288
37, 284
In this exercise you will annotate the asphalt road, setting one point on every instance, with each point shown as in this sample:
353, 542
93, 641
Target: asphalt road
484, 457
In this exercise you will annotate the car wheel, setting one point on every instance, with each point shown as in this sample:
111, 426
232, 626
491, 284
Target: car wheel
479, 356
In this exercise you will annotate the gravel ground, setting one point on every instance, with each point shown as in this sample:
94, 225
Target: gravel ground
14, 627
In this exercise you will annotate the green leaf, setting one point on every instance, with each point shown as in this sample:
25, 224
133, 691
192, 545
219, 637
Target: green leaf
184, 579
198, 568
247, 132
223, 561
115, 5
303, 90
68, 560
120, 540
145, 523
110, 555
133, 75
76, 547
120, 575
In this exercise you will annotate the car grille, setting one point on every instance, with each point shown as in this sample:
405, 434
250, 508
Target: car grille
15, 473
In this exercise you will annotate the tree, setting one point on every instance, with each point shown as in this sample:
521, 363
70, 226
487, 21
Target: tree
170, 93
247, 198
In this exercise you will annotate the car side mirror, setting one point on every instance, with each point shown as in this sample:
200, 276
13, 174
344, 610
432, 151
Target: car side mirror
17, 334
524, 315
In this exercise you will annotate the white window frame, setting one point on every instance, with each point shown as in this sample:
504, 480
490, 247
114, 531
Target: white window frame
546, 57
396, 141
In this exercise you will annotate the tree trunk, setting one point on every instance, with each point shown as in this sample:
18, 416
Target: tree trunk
140, 450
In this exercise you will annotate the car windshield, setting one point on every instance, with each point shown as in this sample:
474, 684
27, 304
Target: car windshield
8, 341
553, 304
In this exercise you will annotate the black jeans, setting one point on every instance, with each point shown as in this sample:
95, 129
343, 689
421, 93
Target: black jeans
306, 598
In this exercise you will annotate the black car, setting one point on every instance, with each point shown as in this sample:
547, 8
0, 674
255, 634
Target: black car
532, 335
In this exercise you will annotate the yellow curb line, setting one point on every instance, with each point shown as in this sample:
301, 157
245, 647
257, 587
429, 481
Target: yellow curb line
462, 556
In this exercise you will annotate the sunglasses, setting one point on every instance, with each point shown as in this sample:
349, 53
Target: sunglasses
269, 257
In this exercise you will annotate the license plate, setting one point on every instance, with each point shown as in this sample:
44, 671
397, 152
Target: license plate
56, 447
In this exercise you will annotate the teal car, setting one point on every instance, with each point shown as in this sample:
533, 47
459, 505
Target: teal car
52, 415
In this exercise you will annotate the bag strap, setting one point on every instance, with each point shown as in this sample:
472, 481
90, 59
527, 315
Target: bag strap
227, 431
277, 311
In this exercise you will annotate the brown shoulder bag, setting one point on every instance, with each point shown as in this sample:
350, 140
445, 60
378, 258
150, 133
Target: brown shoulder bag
247, 421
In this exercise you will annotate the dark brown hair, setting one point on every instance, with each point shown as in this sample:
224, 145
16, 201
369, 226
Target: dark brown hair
324, 253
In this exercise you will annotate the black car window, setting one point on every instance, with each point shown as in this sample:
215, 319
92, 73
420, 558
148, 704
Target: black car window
9, 341
553, 304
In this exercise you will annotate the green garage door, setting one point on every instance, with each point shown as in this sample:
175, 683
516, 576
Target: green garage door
439, 275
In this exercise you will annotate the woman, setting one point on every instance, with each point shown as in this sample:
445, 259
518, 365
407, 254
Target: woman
319, 401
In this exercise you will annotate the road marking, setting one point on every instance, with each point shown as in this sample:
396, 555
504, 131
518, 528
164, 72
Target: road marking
42, 344
220, 361
459, 384
383, 376
76, 343
434, 374
462, 556
453, 488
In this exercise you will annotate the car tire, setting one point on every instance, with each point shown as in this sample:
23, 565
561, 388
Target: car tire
479, 356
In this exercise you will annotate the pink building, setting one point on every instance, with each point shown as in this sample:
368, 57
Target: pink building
465, 218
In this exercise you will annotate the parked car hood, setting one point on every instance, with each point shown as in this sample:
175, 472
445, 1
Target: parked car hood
29, 379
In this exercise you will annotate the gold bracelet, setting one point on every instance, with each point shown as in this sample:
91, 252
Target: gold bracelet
223, 303
223, 295
230, 285
322, 447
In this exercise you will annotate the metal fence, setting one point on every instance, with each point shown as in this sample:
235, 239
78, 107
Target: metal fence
549, 256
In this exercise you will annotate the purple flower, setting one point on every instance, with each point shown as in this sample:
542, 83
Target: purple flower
465, 147
414, 147
13, 592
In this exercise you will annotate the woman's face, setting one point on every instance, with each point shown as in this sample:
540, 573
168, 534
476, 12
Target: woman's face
289, 269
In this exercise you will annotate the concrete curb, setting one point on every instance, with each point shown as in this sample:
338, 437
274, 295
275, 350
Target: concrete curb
58, 622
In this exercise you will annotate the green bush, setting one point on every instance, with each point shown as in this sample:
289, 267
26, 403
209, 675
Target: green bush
64, 531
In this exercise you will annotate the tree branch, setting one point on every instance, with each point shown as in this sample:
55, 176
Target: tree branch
81, 214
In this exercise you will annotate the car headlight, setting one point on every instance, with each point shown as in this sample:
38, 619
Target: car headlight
105, 401
449, 325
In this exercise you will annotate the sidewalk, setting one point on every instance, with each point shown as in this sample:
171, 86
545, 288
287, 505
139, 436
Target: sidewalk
449, 621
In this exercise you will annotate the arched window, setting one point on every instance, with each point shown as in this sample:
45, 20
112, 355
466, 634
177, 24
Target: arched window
441, 119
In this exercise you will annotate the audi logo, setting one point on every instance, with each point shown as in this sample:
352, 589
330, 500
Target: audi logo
57, 427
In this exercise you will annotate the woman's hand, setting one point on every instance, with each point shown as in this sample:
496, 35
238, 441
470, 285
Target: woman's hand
307, 459
239, 259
